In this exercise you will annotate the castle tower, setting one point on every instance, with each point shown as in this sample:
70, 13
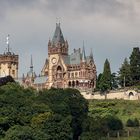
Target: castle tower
58, 45
9, 62
57, 49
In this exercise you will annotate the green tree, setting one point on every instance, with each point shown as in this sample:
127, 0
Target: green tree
114, 81
114, 123
105, 82
20, 133
98, 81
135, 66
125, 74
67, 102
130, 123
136, 122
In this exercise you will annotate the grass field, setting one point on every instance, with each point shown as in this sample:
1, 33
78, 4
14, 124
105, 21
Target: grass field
123, 109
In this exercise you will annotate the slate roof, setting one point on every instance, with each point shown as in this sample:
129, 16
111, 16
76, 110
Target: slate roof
40, 79
58, 35
75, 58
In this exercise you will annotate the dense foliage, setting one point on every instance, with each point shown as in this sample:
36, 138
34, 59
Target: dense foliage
125, 74
53, 114
129, 73
106, 81
60, 114
135, 66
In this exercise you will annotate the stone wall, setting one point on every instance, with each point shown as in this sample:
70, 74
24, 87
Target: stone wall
126, 95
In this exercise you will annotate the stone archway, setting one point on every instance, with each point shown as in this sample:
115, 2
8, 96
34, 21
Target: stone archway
131, 94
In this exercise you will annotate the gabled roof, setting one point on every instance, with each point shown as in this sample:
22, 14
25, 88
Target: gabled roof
58, 35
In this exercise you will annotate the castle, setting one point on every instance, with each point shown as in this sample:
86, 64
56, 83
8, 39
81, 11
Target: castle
9, 63
61, 69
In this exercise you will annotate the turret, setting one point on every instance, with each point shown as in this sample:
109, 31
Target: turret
8, 62
58, 45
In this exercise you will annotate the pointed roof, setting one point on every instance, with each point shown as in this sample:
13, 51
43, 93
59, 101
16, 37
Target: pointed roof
31, 73
8, 52
83, 54
91, 55
58, 35
31, 66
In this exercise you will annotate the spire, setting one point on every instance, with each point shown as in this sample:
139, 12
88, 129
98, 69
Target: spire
91, 54
8, 46
58, 35
83, 53
31, 66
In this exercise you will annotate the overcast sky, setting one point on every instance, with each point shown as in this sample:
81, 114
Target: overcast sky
110, 27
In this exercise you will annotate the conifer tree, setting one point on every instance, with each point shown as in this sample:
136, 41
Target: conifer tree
135, 66
125, 74
105, 82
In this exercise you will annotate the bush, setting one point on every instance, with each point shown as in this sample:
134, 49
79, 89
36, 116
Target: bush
114, 123
132, 123
136, 122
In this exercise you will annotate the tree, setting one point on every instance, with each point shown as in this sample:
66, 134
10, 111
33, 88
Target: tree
114, 81
136, 122
98, 81
130, 123
105, 82
114, 123
135, 66
67, 102
125, 74
18, 132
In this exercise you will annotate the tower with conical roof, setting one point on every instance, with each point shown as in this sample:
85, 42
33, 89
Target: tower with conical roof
9, 62
57, 50
58, 45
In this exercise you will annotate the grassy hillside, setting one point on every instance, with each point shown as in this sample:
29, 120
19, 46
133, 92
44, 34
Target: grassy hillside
121, 108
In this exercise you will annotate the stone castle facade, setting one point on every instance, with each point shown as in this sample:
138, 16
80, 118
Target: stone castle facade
63, 70
9, 63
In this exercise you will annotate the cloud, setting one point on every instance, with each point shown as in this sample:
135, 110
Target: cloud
112, 8
115, 8
109, 26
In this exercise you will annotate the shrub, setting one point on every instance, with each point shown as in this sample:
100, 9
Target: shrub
130, 123
115, 124
136, 122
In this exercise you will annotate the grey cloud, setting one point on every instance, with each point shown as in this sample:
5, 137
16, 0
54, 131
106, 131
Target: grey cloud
107, 7
104, 7
10, 5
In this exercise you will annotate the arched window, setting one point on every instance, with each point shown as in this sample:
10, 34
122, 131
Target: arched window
69, 83
73, 83
59, 72
77, 83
